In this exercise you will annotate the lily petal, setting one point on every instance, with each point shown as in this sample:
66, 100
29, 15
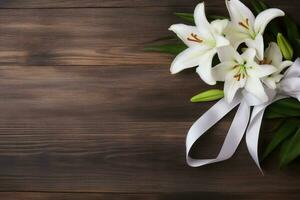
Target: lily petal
228, 53
205, 67
221, 41
219, 25
265, 17
239, 12
249, 55
270, 82
293, 70
285, 64
258, 45
260, 71
230, 88
255, 87
278, 78
234, 35
189, 58
220, 71
184, 32
202, 23
273, 54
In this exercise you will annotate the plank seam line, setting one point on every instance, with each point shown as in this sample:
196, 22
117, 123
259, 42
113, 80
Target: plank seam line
141, 193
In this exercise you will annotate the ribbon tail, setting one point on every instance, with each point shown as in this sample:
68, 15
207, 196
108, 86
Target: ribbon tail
252, 134
211, 117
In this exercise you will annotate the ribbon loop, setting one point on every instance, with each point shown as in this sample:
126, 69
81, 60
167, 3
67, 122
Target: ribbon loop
210, 118
288, 87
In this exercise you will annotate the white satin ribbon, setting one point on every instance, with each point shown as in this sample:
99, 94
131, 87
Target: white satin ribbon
289, 86
210, 118
252, 134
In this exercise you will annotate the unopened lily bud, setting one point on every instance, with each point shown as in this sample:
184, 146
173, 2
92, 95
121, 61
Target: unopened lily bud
209, 95
285, 47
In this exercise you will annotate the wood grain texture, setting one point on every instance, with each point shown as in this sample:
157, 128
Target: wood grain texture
87, 114
158, 196
87, 36
88, 129
21, 4
93, 3
81, 36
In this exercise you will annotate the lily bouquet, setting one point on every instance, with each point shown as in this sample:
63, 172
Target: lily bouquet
256, 79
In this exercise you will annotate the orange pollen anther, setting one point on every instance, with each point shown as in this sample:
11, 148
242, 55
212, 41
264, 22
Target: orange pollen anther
245, 23
265, 61
195, 38
238, 77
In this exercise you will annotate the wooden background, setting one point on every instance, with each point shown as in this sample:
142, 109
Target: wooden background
86, 114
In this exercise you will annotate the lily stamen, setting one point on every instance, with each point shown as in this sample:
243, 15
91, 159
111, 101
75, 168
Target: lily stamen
265, 61
245, 23
195, 38
238, 77
242, 72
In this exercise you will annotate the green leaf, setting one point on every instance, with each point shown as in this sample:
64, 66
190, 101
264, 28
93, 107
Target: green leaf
292, 29
271, 114
173, 49
285, 47
276, 125
296, 45
284, 131
288, 103
189, 17
209, 95
284, 111
263, 5
257, 7
273, 29
290, 150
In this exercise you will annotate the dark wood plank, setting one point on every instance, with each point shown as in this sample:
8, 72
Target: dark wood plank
84, 109
83, 36
153, 196
92, 3
101, 129
133, 3
98, 93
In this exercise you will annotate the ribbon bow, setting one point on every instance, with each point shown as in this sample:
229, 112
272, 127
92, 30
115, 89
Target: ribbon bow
242, 123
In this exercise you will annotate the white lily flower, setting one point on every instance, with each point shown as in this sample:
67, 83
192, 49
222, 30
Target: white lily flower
244, 27
241, 71
202, 41
274, 57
